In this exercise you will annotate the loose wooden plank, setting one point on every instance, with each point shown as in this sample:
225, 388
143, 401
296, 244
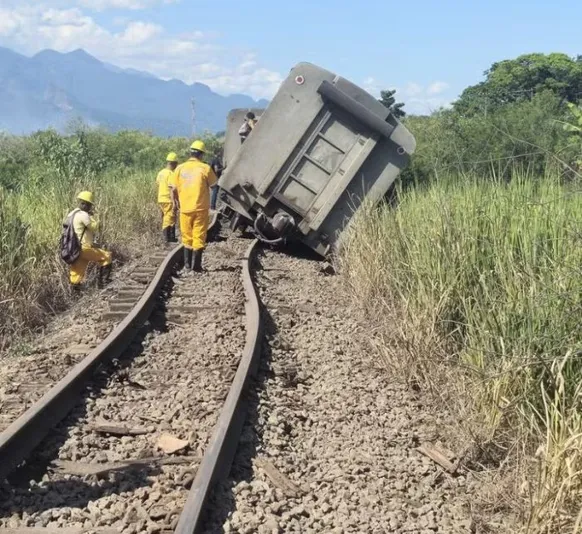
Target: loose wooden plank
437, 456
117, 429
279, 479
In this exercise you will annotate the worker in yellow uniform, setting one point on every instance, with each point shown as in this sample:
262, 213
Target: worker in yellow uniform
166, 199
85, 226
191, 184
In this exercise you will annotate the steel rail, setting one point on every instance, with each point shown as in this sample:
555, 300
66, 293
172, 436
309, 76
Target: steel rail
218, 457
27, 431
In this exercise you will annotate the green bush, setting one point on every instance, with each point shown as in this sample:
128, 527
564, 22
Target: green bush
522, 135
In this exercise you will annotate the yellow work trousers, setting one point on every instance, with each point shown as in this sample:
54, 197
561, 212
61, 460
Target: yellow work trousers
168, 216
193, 227
88, 255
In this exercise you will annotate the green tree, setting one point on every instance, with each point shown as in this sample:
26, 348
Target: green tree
387, 99
519, 79
574, 128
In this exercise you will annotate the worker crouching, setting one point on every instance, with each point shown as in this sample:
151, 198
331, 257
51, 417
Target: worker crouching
165, 198
191, 183
84, 225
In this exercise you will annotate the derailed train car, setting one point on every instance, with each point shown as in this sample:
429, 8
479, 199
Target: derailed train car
322, 145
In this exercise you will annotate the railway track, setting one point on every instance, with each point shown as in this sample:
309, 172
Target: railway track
134, 436
26, 378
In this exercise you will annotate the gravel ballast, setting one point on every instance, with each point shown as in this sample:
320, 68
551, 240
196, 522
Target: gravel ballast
29, 369
330, 443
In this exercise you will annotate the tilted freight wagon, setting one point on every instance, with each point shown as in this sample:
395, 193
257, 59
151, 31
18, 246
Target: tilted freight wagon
320, 147
234, 121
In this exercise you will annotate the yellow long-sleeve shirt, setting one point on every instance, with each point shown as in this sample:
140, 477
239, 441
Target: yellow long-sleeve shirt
193, 180
85, 227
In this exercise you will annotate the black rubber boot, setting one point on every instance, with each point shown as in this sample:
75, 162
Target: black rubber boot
187, 258
104, 276
166, 232
173, 234
197, 262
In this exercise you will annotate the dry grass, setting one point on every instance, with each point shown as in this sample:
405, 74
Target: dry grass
473, 288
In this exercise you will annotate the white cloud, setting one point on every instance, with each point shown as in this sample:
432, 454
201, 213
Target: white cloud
412, 89
102, 5
371, 85
436, 88
139, 32
8, 22
417, 98
191, 57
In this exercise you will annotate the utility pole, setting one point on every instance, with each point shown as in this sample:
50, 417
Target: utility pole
193, 118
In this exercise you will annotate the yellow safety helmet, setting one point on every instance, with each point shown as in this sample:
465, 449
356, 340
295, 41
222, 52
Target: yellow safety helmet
172, 157
198, 145
85, 196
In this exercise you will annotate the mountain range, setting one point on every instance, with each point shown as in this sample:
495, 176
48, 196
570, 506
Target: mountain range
51, 88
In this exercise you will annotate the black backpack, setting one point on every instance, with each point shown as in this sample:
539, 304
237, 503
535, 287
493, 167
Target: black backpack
69, 244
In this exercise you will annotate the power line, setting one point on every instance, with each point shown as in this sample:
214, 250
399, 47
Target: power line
193, 102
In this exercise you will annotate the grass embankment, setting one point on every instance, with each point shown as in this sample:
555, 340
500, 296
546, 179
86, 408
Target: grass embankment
33, 279
474, 289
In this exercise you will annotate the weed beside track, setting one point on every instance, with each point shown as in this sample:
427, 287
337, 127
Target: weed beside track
471, 289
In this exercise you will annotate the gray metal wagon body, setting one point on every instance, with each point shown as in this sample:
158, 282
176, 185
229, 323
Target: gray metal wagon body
322, 145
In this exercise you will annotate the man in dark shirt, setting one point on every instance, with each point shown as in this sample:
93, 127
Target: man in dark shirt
217, 167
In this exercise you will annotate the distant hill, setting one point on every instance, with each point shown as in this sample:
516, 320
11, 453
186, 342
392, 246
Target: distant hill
50, 88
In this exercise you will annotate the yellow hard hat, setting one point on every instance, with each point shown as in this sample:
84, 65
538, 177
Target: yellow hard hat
172, 157
85, 196
198, 145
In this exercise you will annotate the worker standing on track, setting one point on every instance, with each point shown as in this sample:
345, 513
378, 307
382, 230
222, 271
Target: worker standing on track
166, 199
85, 226
191, 184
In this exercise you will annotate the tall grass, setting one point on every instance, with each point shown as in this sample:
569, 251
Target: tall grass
33, 280
475, 289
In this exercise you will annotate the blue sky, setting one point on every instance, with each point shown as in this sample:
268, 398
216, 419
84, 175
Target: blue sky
428, 50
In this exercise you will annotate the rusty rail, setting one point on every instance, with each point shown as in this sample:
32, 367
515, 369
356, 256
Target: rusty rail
218, 456
25, 433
